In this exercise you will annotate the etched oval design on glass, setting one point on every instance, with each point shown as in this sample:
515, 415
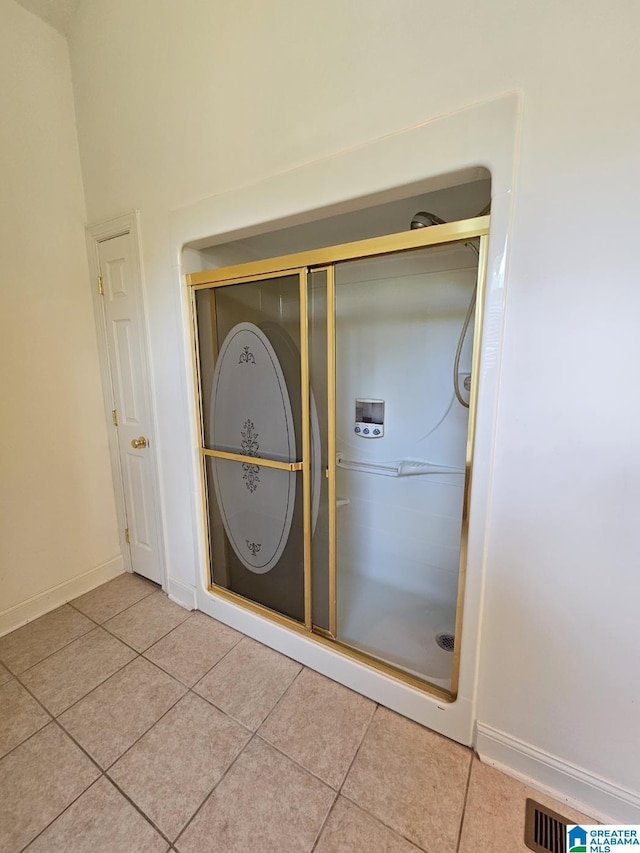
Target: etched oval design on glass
288, 356
251, 414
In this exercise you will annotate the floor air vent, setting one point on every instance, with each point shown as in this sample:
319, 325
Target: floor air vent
544, 830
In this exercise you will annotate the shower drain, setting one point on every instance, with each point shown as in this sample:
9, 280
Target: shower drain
446, 642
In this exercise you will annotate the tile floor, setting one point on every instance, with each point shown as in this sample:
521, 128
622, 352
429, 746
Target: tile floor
129, 724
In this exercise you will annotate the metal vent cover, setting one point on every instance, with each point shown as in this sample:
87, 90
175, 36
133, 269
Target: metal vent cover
544, 829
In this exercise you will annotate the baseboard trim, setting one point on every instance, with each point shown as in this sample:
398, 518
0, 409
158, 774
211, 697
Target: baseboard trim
182, 594
38, 605
584, 791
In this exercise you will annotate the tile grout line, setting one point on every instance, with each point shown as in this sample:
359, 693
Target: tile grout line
51, 654
307, 770
355, 754
282, 696
105, 770
157, 640
80, 636
102, 773
155, 588
84, 751
65, 809
107, 775
84, 696
137, 807
223, 712
146, 731
296, 762
190, 690
113, 615
235, 719
209, 795
254, 735
339, 790
465, 802
381, 821
213, 666
364, 808
206, 796
81, 747
324, 822
28, 738
44, 725
64, 646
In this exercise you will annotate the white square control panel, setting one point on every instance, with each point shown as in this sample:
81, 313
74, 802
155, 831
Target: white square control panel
369, 421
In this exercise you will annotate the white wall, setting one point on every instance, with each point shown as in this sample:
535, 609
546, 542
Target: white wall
58, 529
178, 102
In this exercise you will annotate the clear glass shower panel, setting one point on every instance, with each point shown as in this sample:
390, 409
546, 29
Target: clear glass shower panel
401, 441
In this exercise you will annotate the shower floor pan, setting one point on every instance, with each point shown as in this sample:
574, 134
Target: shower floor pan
397, 626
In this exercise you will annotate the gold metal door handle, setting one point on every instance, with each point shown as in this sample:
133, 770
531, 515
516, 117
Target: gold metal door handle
139, 443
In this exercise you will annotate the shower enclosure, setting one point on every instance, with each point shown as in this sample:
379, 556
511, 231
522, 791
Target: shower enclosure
336, 443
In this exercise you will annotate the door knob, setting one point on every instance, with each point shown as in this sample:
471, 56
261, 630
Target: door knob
139, 443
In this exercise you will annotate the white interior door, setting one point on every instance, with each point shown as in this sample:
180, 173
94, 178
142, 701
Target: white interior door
124, 331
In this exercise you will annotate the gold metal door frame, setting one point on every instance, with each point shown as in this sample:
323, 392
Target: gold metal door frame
471, 437
451, 232
301, 264
306, 446
331, 448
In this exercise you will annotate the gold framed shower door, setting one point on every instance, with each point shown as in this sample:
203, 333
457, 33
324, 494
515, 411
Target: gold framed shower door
302, 264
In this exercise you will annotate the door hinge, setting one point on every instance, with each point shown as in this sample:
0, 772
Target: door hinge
114, 417
100, 285
126, 536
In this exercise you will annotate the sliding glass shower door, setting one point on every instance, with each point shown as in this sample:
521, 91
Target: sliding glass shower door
402, 452
252, 354
336, 405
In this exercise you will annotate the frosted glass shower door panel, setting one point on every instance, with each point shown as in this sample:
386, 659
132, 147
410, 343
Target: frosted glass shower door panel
400, 495
257, 548
255, 326
252, 439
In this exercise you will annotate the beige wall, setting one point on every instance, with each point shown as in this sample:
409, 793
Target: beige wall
180, 101
58, 529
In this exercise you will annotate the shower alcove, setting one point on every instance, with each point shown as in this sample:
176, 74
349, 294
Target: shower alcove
336, 366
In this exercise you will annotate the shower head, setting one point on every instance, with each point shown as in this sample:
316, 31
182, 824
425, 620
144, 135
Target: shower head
422, 219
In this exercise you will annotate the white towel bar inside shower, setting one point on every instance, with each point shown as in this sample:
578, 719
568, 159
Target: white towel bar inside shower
399, 468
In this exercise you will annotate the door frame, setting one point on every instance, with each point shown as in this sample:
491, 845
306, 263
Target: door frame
127, 224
